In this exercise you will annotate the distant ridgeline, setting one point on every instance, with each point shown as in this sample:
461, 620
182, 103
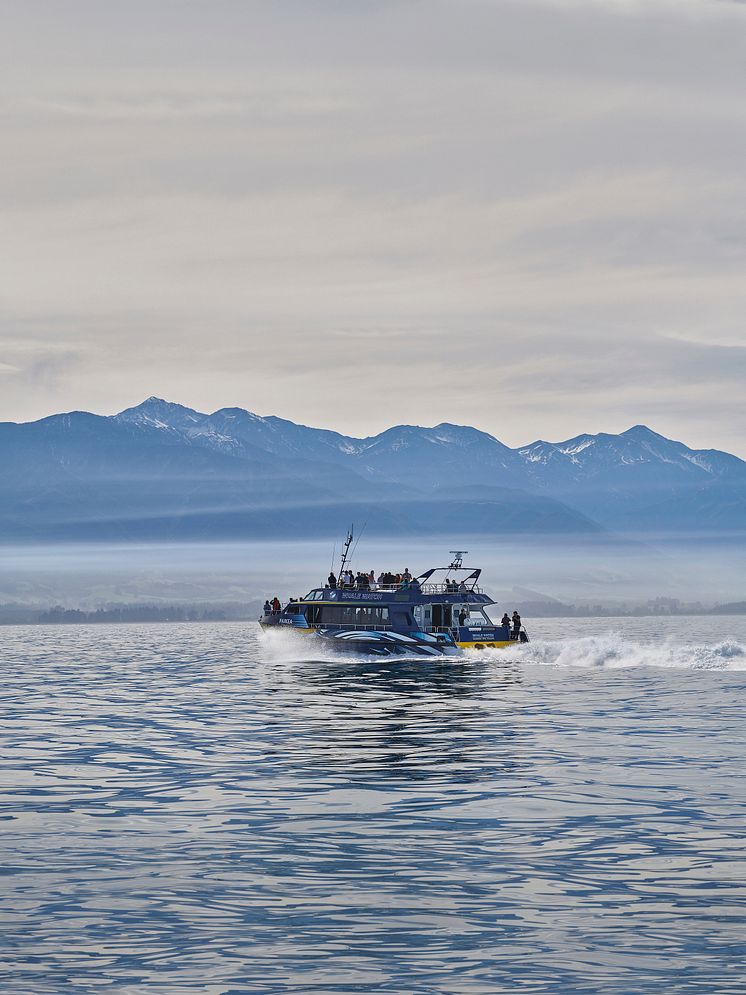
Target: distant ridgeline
19, 614
161, 471
30, 614
132, 613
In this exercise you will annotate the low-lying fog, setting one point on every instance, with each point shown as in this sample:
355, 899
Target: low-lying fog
586, 571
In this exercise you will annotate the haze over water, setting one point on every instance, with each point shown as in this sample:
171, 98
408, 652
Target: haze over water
189, 808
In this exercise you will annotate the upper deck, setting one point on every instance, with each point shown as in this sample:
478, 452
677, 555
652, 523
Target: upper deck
399, 594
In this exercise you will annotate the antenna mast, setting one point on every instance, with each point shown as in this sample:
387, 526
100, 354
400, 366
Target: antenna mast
346, 550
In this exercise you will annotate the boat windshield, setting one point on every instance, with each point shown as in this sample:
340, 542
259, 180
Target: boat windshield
477, 618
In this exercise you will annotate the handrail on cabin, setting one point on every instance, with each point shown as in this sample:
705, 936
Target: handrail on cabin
416, 589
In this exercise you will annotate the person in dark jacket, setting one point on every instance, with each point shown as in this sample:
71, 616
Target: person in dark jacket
505, 620
516, 625
331, 580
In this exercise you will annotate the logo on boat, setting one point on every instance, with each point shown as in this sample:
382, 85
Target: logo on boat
348, 595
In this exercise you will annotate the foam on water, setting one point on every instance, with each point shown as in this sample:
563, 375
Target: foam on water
615, 651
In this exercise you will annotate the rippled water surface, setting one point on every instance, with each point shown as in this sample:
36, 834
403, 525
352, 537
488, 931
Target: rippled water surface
189, 809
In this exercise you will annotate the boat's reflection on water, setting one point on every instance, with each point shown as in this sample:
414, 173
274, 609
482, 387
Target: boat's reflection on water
458, 676
406, 718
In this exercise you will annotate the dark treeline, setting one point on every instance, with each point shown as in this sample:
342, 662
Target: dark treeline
132, 613
15, 614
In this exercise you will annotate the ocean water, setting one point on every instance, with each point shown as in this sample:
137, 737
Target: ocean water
193, 809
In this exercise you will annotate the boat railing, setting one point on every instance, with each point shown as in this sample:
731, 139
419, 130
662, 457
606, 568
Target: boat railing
480, 624
445, 589
417, 588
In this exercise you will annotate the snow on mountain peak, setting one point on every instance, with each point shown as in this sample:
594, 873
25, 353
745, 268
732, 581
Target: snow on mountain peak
435, 453
578, 447
156, 407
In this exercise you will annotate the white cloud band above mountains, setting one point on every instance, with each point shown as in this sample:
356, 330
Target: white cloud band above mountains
497, 213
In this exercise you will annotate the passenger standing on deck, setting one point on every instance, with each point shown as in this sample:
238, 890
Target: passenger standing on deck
406, 575
516, 625
505, 620
276, 606
462, 616
372, 581
267, 608
331, 580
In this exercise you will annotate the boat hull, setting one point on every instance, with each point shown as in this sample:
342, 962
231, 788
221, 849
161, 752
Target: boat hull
373, 643
388, 643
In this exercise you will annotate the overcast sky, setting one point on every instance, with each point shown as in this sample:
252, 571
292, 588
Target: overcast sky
529, 217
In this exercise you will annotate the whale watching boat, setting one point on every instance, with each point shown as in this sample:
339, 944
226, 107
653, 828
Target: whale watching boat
441, 612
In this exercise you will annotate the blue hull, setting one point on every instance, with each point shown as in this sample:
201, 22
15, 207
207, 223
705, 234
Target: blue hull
368, 643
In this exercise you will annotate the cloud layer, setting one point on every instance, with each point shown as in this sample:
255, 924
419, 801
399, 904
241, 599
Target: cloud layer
525, 216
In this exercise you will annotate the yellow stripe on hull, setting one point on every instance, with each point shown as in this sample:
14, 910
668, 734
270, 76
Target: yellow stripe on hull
479, 645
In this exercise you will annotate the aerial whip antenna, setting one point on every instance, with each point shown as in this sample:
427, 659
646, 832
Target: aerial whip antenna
357, 541
346, 550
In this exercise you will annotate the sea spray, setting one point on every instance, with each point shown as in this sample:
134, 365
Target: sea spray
614, 651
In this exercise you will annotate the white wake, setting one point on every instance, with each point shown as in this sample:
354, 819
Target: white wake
613, 650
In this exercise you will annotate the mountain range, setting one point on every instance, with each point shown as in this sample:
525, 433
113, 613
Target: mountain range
164, 471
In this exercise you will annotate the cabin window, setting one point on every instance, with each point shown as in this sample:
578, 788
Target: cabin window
353, 614
477, 618
293, 610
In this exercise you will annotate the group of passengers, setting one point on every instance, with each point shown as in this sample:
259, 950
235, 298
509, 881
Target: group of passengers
455, 587
272, 607
512, 622
369, 582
